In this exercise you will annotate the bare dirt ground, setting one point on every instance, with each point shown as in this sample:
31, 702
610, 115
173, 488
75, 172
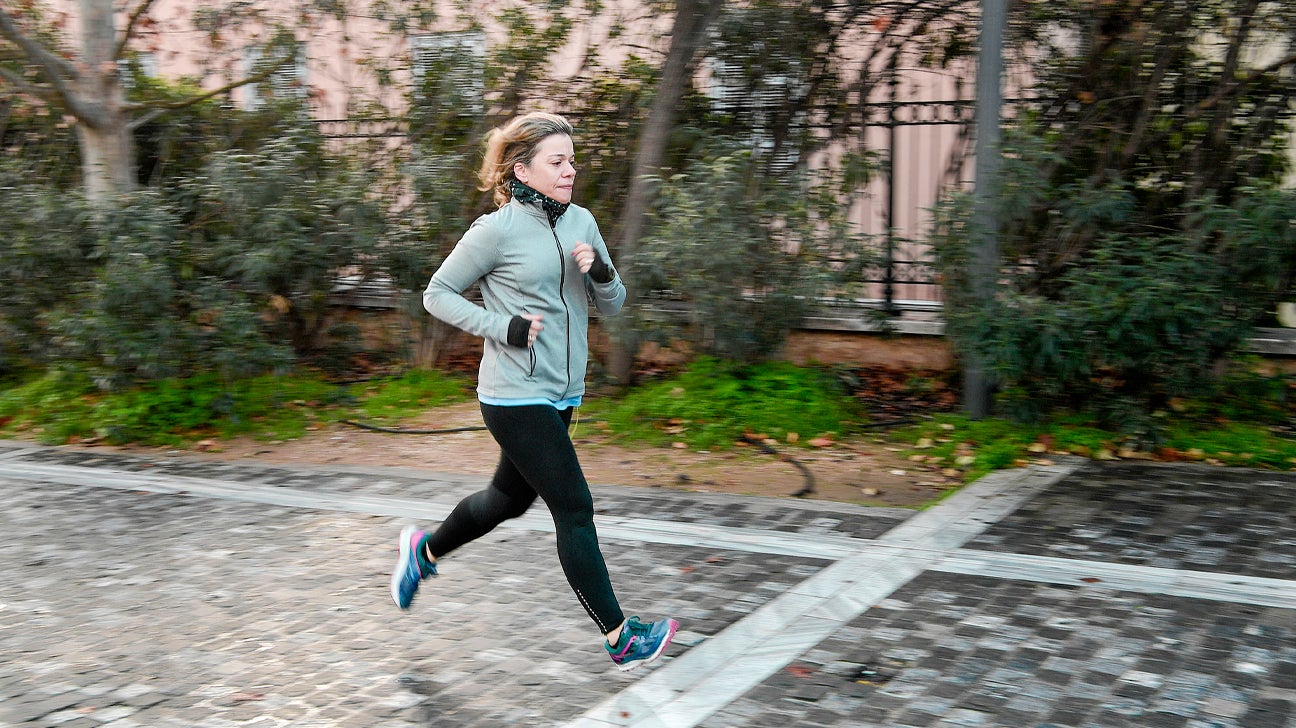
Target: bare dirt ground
859, 470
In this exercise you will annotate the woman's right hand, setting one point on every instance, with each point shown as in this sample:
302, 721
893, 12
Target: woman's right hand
536, 327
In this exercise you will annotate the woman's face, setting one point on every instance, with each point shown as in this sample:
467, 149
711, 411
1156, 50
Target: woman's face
552, 171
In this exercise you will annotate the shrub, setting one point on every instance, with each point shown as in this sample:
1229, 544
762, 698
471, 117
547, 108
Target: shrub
279, 225
1141, 221
62, 405
715, 403
232, 271
47, 255
1140, 317
747, 252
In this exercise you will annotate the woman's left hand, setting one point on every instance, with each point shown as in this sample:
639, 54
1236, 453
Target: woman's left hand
584, 255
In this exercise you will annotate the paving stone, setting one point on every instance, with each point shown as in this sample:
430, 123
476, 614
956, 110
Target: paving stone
204, 612
1181, 516
1167, 694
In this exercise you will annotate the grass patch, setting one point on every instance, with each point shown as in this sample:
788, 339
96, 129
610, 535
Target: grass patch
1233, 443
56, 406
713, 404
388, 401
978, 447
61, 407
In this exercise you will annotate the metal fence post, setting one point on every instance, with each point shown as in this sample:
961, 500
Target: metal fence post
985, 249
888, 276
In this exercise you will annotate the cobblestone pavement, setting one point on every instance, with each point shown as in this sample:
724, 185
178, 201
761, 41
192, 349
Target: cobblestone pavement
166, 591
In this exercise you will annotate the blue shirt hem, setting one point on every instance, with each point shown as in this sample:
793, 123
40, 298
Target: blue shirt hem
568, 403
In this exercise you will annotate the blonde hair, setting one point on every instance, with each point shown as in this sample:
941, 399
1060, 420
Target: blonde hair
515, 142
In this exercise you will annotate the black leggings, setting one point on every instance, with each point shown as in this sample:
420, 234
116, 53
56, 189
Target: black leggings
537, 458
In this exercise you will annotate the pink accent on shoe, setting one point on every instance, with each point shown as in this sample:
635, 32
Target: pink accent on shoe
630, 642
669, 636
415, 544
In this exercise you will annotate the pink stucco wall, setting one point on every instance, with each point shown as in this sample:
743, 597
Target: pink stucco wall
340, 53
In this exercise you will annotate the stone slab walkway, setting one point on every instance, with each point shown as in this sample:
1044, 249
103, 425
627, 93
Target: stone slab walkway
168, 591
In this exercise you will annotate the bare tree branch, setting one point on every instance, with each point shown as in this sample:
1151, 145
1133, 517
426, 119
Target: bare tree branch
27, 87
156, 109
130, 27
1147, 105
1224, 90
58, 70
55, 67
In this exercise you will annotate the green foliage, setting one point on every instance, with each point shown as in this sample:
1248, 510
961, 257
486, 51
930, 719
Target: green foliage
437, 181
1142, 228
1243, 392
607, 106
1232, 443
978, 447
146, 313
1255, 238
35, 139
46, 254
54, 406
1142, 320
62, 405
747, 253
445, 133
415, 391
1139, 319
281, 224
232, 271
534, 34
1244, 419
34, 136
1167, 95
172, 412
714, 403
179, 143
1244, 423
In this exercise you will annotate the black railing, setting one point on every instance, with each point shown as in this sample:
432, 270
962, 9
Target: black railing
925, 147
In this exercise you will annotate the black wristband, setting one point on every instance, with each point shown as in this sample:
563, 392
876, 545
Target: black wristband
600, 271
519, 331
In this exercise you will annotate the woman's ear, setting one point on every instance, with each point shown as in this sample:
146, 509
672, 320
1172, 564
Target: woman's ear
520, 171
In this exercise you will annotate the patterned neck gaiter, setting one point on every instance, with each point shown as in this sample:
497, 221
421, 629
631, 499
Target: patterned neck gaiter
553, 208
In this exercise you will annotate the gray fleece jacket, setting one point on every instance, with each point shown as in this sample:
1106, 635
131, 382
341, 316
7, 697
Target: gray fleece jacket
524, 266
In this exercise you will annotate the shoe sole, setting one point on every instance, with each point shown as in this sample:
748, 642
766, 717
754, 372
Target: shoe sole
401, 560
656, 653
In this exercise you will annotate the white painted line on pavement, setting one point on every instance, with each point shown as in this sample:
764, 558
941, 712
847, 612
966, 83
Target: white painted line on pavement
223, 490
752, 540
1124, 577
1232, 588
711, 675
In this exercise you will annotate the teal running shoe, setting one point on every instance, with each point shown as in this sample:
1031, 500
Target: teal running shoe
410, 569
641, 643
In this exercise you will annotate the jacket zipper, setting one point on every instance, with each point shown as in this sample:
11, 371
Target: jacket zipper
562, 296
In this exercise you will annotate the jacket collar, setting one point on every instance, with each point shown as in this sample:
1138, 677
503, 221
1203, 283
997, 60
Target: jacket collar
553, 209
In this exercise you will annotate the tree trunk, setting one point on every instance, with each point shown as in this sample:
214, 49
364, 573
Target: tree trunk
107, 145
107, 160
692, 19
